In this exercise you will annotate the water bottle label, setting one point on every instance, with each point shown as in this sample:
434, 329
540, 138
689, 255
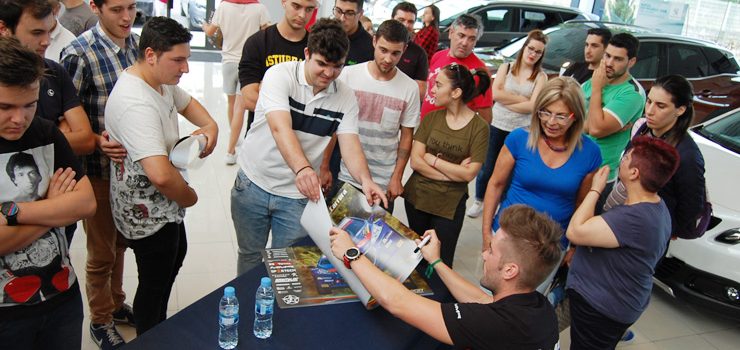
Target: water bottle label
264, 308
228, 321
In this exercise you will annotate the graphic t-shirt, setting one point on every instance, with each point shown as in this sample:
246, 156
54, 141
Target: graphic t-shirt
36, 277
548, 190
265, 49
441, 197
443, 58
579, 71
145, 122
78, 19
237, 23
414, 62
617, 282
57, 93
314, 119
519, 321
626, 102
384, 106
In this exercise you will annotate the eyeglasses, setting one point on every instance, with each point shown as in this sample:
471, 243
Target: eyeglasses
561, 119
347, 14
535, 51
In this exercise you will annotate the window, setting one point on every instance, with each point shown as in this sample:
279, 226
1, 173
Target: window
497, 20
532, 19
725, 132
687, 60
648, 59
720, 62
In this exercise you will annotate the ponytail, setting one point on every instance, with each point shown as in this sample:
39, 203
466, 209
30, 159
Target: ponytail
484, 82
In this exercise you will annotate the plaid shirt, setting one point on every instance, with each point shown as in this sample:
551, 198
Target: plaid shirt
94, 62
428, 38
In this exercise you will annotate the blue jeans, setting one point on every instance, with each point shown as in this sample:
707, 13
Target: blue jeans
495, 143
255, 212
58, 328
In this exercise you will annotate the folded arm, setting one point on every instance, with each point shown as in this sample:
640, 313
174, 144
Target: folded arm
418, 164
76, 129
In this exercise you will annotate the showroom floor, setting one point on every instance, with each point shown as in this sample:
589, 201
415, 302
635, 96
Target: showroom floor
211, 257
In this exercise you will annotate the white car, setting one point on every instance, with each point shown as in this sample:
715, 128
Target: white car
706, 271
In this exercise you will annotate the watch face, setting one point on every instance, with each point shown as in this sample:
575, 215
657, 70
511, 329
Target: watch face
352, 253
9, 208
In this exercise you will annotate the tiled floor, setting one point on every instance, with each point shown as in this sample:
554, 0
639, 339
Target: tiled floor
211, 257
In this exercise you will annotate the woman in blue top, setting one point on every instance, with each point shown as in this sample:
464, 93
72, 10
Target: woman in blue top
548, 166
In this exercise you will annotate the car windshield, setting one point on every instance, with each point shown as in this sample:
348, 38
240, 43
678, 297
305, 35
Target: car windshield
725, 132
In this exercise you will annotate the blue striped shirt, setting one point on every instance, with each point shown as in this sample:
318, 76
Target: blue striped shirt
94, 62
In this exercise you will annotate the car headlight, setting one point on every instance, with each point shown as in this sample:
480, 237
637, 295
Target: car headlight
731, 236
733, 294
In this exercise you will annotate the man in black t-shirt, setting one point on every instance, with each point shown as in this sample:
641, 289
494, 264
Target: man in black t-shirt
278, 43
414, 61
30, 22
349, 12
40, 300
521, 254
593, 51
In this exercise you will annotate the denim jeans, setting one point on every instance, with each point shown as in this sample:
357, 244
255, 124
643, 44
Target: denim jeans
158, 258
495, 143
255, 212
59, 328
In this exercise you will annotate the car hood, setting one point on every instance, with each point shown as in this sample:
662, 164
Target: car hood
722, 167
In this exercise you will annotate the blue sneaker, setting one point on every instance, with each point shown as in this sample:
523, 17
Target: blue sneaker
627, 337
106, 336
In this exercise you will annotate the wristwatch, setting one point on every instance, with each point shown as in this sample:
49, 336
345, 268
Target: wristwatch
10, 211
351, 255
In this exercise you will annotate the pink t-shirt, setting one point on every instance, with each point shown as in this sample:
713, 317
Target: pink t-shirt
441, 59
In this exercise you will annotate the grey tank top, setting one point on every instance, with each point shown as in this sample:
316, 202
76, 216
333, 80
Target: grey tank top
506, 119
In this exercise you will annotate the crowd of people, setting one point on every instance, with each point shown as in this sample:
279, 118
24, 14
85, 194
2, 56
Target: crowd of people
581, 172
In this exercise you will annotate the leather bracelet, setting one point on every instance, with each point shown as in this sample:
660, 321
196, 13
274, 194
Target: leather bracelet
434, 163
599, 193
301, 169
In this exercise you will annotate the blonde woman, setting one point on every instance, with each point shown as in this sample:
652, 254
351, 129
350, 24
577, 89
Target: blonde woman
549, 165
515, 89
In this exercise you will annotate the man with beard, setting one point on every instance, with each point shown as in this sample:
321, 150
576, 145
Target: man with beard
388, 100
615, 101
593, 51
521, 254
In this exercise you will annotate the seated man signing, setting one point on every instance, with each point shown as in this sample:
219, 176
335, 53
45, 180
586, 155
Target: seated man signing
521, 254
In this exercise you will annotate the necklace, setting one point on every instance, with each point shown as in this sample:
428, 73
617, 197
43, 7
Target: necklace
554, 147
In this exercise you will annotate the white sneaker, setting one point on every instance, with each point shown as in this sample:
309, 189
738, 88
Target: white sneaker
230, 158
475, 210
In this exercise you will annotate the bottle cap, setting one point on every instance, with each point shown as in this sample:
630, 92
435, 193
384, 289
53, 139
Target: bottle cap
229, 291
265, 282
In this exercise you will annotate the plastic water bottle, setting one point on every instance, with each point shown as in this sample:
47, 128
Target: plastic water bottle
228, 320
263, 309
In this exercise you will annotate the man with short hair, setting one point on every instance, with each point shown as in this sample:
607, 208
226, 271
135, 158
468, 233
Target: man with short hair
615, 100
464, 34
30, 21
237, 22
596, 41
94, 60
77, 16
414, 61
278, 43
300, 106
349, 12
39, 293
149, 195
611, 275
60, 36
521, 254
388, 101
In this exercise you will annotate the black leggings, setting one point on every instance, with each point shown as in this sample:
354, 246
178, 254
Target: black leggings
448, 230
589, 328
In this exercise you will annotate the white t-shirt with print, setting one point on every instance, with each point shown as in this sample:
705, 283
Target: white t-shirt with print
315, 118
145, 122
384, 106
